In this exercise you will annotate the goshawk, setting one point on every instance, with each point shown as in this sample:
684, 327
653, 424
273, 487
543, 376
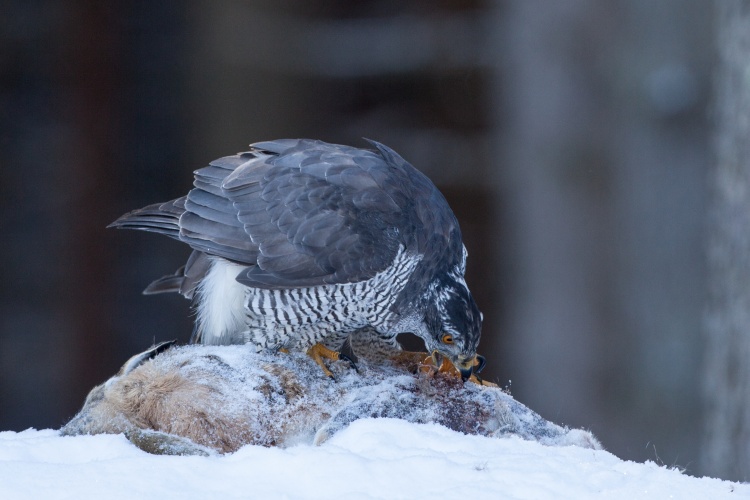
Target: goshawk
298, 243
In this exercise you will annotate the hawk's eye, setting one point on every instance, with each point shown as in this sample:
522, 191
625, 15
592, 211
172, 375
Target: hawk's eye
447, 339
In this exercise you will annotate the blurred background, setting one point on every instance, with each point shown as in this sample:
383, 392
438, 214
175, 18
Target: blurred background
573, 140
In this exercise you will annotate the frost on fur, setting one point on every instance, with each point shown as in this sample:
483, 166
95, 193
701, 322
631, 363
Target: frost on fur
206, 399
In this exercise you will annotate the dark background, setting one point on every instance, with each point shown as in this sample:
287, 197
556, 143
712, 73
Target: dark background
571, 138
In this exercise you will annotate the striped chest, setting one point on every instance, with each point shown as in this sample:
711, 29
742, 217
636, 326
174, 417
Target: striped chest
300, 317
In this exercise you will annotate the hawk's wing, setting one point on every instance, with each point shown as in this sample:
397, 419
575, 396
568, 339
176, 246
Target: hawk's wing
297, 212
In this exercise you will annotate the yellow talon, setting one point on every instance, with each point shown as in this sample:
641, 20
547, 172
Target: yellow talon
318, 352
447, 367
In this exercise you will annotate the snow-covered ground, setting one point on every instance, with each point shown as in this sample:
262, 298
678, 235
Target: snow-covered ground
372, 458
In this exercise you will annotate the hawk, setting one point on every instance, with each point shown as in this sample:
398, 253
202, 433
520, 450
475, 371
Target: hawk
299, 243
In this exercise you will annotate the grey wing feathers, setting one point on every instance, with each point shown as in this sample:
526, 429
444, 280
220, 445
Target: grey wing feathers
296, 212
301, 209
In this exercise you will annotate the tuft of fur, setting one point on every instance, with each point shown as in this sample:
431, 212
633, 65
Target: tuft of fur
207, 399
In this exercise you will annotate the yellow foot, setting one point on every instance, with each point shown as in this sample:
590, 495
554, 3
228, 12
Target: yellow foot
427, 363
319, 351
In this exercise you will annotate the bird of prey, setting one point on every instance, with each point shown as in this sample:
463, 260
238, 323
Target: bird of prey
298, 243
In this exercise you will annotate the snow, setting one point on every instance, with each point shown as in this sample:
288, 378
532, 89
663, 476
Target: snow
197, 402
371, 458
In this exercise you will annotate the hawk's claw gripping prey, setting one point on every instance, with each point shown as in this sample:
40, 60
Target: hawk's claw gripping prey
319, 351
435, 363
443, 365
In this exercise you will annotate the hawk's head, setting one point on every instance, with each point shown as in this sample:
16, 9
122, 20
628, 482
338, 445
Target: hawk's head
454, 322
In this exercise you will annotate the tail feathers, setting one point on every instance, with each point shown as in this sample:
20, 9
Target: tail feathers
162, 218
165, 284
185, 280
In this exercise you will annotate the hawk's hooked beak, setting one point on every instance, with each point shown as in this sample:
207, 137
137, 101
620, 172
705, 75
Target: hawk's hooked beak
471, 367
466, 369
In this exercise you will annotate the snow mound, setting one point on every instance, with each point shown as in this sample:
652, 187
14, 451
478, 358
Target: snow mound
371, 458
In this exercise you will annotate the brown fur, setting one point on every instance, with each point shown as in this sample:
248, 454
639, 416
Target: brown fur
199, 399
